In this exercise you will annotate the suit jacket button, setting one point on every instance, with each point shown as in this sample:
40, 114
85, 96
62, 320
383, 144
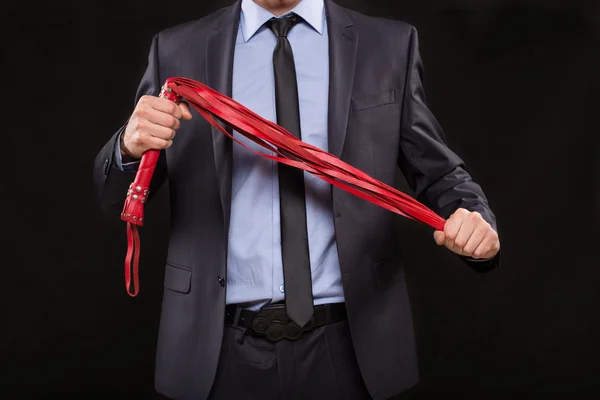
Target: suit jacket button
221, 281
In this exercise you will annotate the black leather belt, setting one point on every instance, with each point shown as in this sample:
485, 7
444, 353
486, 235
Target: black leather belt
272, 322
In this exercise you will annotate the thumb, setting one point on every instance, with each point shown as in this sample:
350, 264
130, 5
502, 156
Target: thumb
440, 237
185, 110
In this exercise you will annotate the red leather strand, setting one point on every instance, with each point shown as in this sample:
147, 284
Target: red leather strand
287, 149
133, 254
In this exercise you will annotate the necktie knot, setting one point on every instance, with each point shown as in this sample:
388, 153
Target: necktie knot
282, 26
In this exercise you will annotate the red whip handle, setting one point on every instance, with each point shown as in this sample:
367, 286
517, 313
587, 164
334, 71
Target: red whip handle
133, 210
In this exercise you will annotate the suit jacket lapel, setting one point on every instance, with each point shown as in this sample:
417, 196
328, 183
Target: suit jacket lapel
220, 45
343, 45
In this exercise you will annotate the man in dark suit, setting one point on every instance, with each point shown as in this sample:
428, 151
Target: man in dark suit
277, 285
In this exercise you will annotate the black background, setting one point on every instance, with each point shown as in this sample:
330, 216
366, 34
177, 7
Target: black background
513, 83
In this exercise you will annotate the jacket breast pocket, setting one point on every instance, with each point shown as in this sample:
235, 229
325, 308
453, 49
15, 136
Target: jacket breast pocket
383, 98
177, 278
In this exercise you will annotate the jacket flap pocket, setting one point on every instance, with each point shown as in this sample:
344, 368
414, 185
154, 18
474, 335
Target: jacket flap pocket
178, 279
376, 100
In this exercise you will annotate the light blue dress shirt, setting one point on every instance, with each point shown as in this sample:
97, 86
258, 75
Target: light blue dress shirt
254, 263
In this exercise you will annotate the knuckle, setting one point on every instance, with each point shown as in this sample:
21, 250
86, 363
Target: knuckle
164, 134
141, 113
470, 247
451, 224
460, 243
145, 99
139, 124
478, 254
135, 140
133, 124
134, 115
138, 138
475, 216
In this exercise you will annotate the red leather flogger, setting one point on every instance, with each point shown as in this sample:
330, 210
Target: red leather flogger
287, 149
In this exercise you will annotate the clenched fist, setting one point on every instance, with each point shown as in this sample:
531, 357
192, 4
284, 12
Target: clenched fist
152, 125
468, 234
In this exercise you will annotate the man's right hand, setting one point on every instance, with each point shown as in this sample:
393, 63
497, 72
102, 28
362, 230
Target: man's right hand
152, 126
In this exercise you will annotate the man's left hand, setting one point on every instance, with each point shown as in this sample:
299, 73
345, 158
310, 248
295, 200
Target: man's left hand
467, 234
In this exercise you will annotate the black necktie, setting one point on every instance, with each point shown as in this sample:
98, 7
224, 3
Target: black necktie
294, 235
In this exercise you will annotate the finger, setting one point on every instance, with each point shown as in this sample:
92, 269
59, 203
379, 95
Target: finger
452, 226
164, 105
158, 131
470, 223
439, 238
488, 247
162, 119
156, 143
185, 110
479, 234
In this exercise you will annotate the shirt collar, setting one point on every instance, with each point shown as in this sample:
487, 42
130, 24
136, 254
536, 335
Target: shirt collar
254, 16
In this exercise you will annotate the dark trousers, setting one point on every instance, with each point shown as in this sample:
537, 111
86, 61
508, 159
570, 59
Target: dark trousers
321, 364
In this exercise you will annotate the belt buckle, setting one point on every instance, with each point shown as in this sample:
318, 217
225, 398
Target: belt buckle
274, 324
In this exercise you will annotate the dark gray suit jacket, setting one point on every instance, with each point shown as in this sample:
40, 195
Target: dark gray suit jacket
378, 119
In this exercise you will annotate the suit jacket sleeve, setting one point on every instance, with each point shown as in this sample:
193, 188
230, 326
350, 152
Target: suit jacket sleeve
435, 173
111, 183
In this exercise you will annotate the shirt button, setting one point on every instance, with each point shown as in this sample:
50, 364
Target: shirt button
281, 289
